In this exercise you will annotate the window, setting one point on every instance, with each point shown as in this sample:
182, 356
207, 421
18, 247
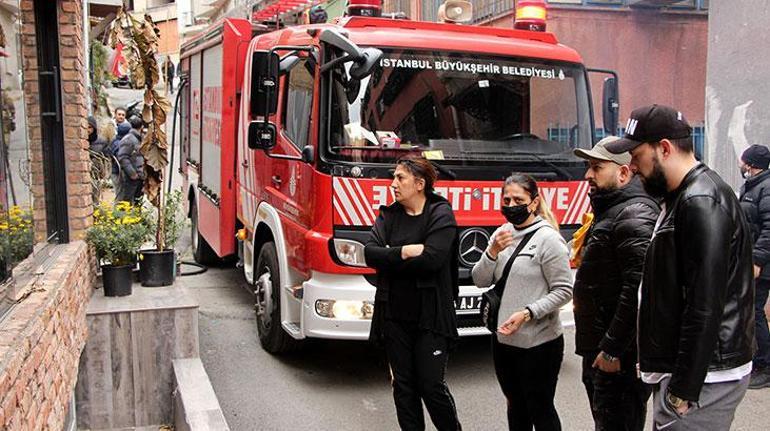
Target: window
16, 227
688, 4
473, 110
486, 9
299, 103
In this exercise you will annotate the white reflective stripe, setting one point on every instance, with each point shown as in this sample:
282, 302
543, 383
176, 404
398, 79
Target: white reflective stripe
356, 199
346, 205
584, 209
367, 204
339, 211
574, 204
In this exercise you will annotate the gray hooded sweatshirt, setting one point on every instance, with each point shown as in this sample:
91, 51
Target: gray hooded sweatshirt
540, 279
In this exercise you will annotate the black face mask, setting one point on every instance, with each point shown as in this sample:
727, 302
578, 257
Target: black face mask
516, 214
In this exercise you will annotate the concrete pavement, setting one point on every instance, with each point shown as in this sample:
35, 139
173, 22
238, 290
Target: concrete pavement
334, 385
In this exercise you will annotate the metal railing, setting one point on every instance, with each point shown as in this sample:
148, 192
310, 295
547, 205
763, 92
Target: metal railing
484, 10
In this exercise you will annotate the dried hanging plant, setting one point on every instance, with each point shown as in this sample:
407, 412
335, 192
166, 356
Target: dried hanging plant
140, 46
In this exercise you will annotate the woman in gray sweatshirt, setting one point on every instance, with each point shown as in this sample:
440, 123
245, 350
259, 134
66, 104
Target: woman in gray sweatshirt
528, 346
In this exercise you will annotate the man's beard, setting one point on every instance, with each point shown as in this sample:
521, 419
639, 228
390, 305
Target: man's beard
655, 184
596, 190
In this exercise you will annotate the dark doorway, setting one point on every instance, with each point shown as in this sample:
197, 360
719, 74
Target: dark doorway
52, 131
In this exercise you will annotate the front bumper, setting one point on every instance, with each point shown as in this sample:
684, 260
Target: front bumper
355, 288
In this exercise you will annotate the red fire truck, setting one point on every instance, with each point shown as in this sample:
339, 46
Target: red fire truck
289, 139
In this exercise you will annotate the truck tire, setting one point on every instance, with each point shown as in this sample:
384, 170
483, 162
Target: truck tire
267, 303
202, 251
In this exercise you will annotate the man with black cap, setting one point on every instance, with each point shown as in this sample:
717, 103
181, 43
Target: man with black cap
696, 313
607, 287
755, 201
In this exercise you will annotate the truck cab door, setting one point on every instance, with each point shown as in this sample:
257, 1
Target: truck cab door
289, 185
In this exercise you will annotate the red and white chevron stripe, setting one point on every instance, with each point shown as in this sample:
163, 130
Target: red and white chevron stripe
578, 205
351, 204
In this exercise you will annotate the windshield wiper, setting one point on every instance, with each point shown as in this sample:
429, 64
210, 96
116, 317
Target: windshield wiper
555, 167
371, 148
444, 170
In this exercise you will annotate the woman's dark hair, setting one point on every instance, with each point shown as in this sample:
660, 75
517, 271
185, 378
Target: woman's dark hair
420, 167
529, 185
524, 181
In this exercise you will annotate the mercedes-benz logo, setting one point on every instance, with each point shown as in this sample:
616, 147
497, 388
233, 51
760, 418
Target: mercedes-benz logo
473, 242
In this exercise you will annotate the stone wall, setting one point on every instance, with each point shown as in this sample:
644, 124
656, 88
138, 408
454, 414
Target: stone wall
41, 341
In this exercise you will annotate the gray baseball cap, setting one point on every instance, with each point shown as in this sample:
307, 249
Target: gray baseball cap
599, 152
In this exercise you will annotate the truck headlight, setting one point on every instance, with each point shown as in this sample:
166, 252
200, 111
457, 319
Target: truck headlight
344, 310
350, 252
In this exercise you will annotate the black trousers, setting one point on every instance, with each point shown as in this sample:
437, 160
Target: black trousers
618, 400
130, 191
528, 380
418, 362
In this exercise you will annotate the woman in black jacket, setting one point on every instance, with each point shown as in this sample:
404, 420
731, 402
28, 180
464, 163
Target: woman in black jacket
413, 247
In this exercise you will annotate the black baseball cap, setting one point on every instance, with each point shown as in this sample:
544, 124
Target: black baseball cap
651, 124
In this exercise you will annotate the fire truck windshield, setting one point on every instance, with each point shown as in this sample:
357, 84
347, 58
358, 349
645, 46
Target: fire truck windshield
464, 109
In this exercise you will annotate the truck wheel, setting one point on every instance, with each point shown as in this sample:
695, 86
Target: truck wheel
267, 303
202, 251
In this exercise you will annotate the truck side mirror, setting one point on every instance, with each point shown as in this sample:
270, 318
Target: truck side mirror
610, 105
264, 84
308, 154
262, 135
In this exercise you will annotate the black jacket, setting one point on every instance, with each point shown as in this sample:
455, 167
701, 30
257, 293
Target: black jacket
755, 201
435, 271
607, 282
697, 303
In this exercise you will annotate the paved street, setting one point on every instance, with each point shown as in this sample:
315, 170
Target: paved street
333, 385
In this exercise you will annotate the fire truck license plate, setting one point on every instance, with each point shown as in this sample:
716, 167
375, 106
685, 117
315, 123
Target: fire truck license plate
469, 303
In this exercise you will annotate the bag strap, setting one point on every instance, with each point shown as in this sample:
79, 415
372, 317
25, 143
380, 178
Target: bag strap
500, 285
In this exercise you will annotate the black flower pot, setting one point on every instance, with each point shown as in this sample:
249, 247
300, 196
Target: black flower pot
117, 280
157, 268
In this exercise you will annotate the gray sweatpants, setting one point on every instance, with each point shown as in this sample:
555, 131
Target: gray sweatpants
715, 410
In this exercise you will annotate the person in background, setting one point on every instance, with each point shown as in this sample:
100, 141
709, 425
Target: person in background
169, 69
99, 138
122, 130
696, 312
317, 15
413, 246
755, 201
528, 347
607, 288
131, 163
120, 116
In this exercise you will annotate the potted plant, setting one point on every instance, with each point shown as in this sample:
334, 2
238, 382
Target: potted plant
157, 267
117, 233
140, 41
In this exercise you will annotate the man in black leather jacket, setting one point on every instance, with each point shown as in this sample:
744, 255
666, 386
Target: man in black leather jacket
696, 315
607, 286
755, 201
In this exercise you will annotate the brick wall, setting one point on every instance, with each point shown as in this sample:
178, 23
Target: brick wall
42, 337
41, 341
75, 113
